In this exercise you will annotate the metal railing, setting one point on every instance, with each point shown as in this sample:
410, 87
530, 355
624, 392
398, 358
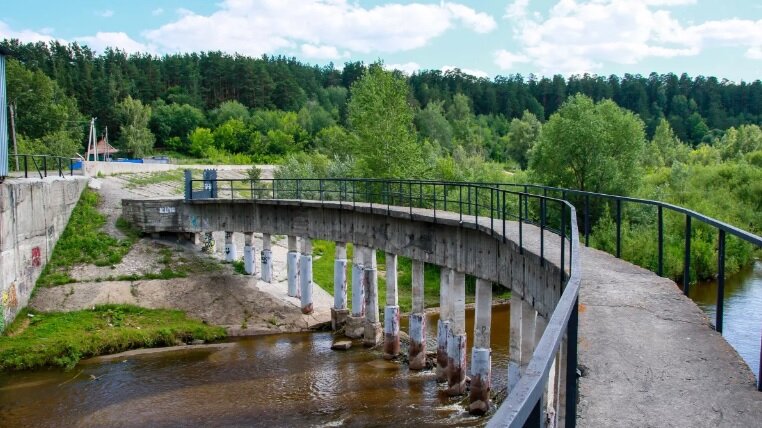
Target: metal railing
486, 206
42, 165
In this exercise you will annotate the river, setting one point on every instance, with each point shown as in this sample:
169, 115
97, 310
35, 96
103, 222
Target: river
742, 320
281, 380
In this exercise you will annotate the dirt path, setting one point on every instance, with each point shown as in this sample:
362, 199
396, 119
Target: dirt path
211, 291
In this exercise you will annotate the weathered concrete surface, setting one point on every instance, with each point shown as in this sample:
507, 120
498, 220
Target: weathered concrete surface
650, 357
33, 214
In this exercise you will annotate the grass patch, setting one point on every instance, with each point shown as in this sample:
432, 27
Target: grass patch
83, 242
322, 273
239, 267
63, 338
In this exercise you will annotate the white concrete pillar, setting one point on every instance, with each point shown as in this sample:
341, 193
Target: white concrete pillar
305, 276
292, 267
417, 351
230, 254
339, 312
443, 325
372, 336
391, 310
528, 324
249, 264
355, 326
267, 258
515, 340
456, 342
481, 361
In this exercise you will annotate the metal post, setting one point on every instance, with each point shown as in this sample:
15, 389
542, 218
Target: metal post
687, 261
563, 239
504, 195
571, 367
661, 241
521, 224
587, 220
542, 231
469, 200
720, 281
618, 228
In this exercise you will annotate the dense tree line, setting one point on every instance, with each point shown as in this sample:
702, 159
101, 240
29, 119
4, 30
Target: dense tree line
698, 109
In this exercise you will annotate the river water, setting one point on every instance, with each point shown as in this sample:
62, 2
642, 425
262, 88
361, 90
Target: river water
293, 380
742, 320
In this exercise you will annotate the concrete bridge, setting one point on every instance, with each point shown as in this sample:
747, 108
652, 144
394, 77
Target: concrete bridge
647, 354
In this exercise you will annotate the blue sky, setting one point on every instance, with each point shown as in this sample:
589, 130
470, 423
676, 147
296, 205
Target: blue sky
485, 38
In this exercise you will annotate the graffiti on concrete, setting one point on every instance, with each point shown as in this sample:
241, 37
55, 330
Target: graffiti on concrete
9, 298
36, 257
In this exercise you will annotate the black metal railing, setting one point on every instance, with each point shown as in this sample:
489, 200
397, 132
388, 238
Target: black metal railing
42, 165
485, 206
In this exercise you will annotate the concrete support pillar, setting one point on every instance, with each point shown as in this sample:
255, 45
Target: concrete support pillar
372, 335
249, 265
355, 327
267, 258
528, 324
305, 276
456, 342
230, 255
481, 361
443, 325
208, 243
391, 310
417, 352
515, 352
292, 267
339, 312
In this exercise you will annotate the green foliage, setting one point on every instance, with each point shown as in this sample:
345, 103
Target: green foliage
175, 121
63, 338
590, 146
229, 110
383, 121
522, 136
83, 242
135, 137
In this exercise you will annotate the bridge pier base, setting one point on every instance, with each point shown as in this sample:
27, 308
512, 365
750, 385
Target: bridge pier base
391, 310
305, 276
292, 267
248, 254
230, 253
456, 342
417, 352
481, 361
355, 326
443, 325
267, 258
373, 330
339, 312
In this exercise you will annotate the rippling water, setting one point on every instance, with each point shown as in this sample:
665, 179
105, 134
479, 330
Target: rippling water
742, 317
283, 380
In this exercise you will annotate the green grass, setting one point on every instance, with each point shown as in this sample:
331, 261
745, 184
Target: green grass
83, 242
322, 273
61, 339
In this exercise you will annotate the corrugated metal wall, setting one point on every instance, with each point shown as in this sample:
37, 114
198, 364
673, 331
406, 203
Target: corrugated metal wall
3, 121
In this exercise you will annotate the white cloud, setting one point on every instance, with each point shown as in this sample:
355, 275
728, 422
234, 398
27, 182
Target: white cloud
579, 36
407, 68
470, 71
108, 13
754, 52
321, 52
157, 11
102, 40
27, 35
256, 27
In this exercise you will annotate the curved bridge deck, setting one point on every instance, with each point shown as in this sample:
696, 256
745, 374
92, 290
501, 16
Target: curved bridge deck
650, 357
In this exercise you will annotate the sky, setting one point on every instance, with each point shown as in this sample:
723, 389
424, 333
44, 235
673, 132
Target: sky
721, 38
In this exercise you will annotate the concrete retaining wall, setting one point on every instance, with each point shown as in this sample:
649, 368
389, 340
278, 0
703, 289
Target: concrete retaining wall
33, 214
463, 246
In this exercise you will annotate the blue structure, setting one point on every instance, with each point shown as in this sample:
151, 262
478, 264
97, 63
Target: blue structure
3, 118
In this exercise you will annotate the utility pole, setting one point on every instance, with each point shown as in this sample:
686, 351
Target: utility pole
105, 140
13, 135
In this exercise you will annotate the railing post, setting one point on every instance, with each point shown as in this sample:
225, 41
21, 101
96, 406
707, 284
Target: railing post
504, 195
542, 231
618, 228
720, 282
469, 199
445, 197
587, 220
521, 223
71, 167
460, 202
26, 167
45, 165
661, 241
687, 260
563, 239
571, 367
